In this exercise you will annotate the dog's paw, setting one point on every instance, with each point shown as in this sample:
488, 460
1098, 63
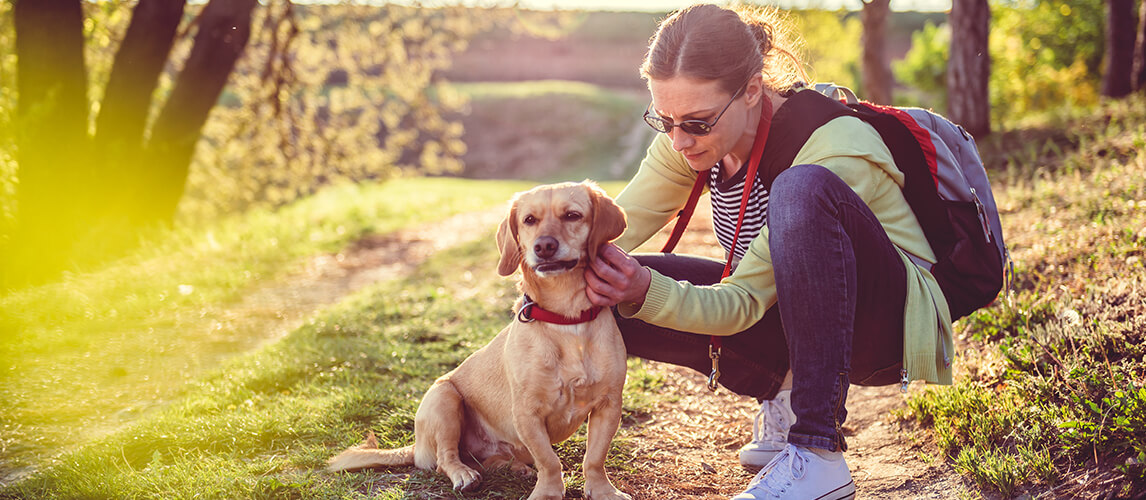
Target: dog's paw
522, 470
613, 494
605, 491
465, 478
542, 495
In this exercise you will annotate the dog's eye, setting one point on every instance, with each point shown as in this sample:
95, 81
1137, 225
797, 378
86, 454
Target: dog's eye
529, 220
573, 216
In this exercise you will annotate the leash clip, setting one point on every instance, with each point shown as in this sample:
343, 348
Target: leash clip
715, 375
525, 314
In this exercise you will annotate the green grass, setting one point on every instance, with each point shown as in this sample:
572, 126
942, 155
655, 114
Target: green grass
1052, 389
553, 130
98, 349
263, 425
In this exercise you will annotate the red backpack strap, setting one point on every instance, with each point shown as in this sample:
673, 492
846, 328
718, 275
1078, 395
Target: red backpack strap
686, 213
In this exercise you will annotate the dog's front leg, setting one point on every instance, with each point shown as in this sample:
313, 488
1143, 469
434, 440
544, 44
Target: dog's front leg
531, 430
603, 424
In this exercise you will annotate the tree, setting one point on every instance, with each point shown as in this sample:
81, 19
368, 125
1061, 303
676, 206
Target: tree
1118, 76
969, 66
52, 120
1140, 50
877, 77
72, 184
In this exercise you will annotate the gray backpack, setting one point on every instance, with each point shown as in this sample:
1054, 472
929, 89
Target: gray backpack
947, 188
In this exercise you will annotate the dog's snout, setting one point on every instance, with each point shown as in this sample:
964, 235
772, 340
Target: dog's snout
545, 247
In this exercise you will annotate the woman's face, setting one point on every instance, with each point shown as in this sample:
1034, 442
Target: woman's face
685, 98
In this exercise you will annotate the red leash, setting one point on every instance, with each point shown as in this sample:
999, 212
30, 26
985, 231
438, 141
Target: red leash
714, 345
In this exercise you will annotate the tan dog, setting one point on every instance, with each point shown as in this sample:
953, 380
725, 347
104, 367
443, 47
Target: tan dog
537, 381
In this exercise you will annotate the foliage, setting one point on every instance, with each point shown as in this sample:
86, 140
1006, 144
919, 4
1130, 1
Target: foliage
1054, 381
1045, 54
8, 166
924, 68
357, 101
359, 96
833, 46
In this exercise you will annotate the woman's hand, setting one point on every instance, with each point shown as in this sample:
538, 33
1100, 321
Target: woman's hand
615, 277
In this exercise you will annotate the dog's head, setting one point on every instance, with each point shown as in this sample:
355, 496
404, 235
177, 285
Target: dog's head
554, 228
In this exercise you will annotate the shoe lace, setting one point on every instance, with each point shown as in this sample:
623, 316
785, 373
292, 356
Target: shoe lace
769, 424
776, 477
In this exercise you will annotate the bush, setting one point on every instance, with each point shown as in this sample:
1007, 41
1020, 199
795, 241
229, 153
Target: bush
1044, 55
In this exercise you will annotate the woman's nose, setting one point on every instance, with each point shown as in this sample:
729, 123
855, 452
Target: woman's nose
680, 139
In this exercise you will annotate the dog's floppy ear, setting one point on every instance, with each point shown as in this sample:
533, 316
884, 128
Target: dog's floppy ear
608, 219
507, 244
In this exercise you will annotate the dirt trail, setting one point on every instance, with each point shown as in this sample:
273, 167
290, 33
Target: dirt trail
688, 449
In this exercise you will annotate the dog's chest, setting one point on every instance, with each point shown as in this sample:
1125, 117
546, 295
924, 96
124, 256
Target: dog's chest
579, 390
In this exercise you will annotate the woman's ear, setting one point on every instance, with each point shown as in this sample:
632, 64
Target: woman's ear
608, 219
754, 90
507, 244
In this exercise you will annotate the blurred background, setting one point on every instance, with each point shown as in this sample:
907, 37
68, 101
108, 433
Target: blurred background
117, 117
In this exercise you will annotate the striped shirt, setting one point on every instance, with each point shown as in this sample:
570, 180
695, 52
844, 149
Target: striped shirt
726, 196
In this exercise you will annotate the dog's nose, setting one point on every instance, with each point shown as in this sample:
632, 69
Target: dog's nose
545, 247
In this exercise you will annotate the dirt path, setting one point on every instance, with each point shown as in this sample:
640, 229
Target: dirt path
688, 449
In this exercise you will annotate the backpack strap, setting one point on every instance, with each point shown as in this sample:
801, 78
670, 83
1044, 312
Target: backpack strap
792, 125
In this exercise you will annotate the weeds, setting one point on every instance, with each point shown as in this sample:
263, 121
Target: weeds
1062, 384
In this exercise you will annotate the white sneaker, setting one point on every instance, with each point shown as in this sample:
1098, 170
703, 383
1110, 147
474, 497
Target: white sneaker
799, 474
769, 431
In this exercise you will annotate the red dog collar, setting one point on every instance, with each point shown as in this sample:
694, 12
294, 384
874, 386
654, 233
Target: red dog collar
530, 312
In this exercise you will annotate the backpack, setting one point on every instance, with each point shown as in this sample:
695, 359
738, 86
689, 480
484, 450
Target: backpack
944, 183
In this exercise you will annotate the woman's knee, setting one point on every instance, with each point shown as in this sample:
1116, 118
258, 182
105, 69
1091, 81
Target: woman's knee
798, 181
799, 193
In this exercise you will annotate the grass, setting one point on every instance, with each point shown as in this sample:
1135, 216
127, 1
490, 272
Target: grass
525, 129
98, 349
1052, 394
263, 425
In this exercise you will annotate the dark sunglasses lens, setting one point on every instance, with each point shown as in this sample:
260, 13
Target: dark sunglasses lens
657, 124
695, 127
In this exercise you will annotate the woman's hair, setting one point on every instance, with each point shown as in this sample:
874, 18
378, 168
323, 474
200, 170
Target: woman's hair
726, 44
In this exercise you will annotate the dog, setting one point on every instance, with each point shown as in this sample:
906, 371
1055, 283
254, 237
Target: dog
561, 361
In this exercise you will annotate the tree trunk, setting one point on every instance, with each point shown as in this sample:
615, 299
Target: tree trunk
1118, 77
969, 67
224, 28
1140, 50
877, 77
52, 120
135, 73
127, 98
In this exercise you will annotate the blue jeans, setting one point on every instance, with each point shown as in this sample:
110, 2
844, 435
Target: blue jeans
840, 284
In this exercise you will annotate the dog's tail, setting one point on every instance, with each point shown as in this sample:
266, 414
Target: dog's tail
367, 455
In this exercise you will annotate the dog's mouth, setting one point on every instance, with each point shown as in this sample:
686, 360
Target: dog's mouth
556, 266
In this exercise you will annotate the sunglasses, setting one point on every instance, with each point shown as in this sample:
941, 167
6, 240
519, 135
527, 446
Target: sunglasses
695, 128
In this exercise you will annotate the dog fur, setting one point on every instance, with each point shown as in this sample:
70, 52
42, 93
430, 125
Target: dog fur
535, 383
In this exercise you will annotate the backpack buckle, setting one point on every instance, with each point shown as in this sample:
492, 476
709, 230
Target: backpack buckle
982, 215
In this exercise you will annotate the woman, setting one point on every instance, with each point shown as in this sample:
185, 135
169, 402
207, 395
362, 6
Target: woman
825, 292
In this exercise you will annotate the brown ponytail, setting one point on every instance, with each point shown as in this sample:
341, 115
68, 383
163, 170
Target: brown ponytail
709, 42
